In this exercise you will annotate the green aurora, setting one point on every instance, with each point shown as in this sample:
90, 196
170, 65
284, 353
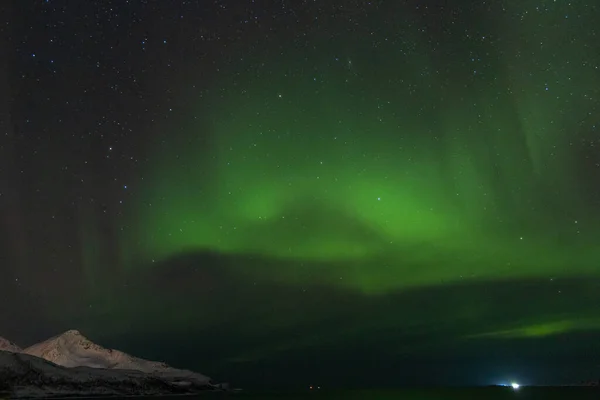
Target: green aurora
307, 192
388, 169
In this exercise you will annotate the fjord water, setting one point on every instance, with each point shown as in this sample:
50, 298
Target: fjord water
482, 393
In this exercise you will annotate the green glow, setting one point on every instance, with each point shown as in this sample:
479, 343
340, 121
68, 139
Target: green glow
380, 176
544, 329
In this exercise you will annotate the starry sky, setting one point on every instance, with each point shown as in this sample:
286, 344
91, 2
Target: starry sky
306, 192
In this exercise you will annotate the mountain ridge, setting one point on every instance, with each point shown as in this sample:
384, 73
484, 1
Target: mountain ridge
70, 364
72, 349
26, 376
7, 345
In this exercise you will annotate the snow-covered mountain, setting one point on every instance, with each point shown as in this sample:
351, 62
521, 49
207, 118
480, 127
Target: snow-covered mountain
72, 349
7, 345
23, 375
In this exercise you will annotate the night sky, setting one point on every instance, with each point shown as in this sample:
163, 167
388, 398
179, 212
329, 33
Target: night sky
343, 193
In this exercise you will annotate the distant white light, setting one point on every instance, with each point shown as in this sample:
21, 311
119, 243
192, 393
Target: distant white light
515, 385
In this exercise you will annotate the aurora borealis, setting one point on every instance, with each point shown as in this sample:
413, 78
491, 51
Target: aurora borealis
292, 187
389, 153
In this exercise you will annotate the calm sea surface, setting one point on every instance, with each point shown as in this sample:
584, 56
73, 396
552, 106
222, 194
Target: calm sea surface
537, 393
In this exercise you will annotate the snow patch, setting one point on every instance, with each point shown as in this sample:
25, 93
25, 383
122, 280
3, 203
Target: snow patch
72, 349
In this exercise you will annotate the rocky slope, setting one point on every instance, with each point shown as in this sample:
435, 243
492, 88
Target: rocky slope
7, 345
23, 375
72, 349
